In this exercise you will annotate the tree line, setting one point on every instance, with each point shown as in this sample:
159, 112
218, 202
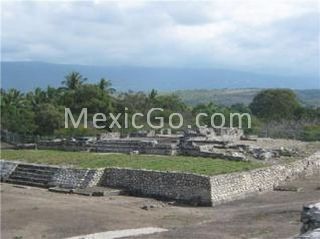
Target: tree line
275, 112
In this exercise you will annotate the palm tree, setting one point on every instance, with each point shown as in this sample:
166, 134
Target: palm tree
74, 80
37, 97
153, 94
13, 97
105, 85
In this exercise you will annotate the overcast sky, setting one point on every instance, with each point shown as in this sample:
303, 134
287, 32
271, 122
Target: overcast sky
253, 35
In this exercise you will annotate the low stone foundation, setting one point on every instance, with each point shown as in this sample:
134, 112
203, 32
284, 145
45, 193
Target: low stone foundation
114, 146
184, 187
229, 187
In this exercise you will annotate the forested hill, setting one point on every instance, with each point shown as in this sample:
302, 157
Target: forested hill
228, 97
26, 76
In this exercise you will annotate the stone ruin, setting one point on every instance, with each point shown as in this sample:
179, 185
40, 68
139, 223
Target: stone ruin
109, 135
188, 188
224, 143
228, 143
143, 146
142, 133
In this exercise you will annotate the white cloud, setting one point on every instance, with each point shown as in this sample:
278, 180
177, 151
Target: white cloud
248, 35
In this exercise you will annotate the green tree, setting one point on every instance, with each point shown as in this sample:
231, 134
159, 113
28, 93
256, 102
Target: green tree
16, 112
105, 85
48, 118
74, 80
153, 94
274, 104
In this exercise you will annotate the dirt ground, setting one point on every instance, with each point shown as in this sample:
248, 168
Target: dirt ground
29, 212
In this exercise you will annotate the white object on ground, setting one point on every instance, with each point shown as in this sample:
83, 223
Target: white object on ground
120, 233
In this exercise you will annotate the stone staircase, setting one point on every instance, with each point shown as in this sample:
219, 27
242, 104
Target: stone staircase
32, 175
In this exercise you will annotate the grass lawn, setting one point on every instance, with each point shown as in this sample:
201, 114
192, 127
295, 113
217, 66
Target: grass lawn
206, 166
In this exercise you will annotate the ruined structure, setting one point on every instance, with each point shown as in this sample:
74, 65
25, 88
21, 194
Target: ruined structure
143, 146
185, 187
223, 143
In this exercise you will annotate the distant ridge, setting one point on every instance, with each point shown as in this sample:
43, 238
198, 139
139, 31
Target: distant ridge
228, 97
29, 75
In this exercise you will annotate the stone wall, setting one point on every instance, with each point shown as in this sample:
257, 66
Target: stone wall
190, 188
205, 190
130, 145
197, 151
185, 187
62, 145
113, 146
229, 187
76, 178
6, 168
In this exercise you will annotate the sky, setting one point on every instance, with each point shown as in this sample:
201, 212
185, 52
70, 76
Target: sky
270, 36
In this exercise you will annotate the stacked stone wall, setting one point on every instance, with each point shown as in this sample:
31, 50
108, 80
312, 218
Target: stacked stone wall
6, 168
229, 187
183, 187
113, 146
76, 178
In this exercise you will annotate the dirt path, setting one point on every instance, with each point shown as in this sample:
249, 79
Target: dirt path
37, 213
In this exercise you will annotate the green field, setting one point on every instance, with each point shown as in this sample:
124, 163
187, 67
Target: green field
206, 166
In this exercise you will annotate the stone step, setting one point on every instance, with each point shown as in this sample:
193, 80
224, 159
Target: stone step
23, 182
35, 171
31, 174
29, 179
36, 167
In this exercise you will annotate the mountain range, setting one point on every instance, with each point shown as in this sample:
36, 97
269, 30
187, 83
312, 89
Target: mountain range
29, 75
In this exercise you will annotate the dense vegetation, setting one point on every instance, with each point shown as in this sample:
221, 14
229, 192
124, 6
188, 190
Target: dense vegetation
228, 97
199, 165
275, 113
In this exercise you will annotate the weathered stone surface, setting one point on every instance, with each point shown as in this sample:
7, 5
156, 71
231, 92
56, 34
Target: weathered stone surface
6, 168
32, 174
152, 144
192, 149
228, 187
224, 134
76, 178
166, 185
262, 154
185, 187
62, 177
130, 145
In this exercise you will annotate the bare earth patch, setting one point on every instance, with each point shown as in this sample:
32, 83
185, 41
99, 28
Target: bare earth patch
36, 213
